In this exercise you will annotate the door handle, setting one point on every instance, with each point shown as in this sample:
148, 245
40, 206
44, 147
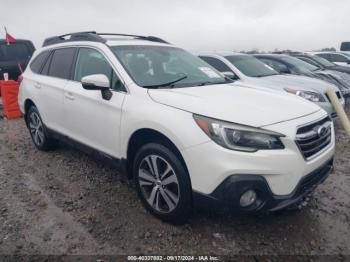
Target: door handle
69, 96
37, 85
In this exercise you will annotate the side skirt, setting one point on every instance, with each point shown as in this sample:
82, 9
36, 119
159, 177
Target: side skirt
117, 163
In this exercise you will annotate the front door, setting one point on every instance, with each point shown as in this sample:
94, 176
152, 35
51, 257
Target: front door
89, 118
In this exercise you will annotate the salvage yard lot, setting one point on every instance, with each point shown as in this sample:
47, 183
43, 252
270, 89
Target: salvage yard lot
67, 202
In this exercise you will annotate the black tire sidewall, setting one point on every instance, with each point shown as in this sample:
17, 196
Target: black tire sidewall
183, 209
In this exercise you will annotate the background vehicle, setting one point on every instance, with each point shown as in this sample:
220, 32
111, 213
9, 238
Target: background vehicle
13, 54
320, 62
249, 70
159, 112
286, 64
339, 72
345, 47
338, 58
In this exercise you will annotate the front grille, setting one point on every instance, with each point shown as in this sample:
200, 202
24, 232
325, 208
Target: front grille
313, 138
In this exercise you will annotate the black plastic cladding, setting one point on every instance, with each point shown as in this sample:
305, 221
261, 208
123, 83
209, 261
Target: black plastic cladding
94, 37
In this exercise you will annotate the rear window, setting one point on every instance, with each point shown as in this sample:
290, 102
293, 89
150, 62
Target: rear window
15, 51
345, 46
38, 62
61, 63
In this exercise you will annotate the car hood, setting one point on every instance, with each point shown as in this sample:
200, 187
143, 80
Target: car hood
295, 82
236, 103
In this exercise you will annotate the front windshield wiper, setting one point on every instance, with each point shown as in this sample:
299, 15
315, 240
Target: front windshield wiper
227, 80
167, 84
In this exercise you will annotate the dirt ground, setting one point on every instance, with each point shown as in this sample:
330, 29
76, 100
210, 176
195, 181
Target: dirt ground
67, 202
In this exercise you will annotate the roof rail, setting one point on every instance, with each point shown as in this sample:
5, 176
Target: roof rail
148, 38
94, 37
77, 36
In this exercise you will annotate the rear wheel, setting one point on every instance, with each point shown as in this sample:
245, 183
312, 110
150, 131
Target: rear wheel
38, 131
163, 183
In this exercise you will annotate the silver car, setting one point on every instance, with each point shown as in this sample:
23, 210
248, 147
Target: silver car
250, 71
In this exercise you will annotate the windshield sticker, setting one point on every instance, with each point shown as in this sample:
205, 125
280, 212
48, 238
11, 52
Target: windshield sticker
209, 72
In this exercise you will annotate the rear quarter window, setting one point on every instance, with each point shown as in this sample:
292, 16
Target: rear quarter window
39, 61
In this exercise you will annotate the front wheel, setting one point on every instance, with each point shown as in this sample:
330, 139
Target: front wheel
163, 183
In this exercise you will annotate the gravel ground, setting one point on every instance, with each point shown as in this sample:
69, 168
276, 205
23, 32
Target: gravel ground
67, 202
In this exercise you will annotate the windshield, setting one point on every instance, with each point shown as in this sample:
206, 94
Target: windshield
14, 52
299, 64
251, 66
322, 61
161, 66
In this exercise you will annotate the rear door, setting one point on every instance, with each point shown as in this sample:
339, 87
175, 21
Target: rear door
50, 87
89, 118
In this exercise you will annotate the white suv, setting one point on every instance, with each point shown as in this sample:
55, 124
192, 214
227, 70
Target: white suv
188, 136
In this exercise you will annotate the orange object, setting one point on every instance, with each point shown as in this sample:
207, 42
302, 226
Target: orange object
13, 114
9, 92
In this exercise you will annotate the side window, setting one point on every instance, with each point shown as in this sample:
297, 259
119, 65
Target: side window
279, 67
90, 62
216, 63
38, 62
338, 58
61, 63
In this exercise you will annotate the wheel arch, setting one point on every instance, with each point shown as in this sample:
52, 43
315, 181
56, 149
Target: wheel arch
147, 135
27, 104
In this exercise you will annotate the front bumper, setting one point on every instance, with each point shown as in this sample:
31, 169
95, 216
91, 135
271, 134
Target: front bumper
226, 196
209, 164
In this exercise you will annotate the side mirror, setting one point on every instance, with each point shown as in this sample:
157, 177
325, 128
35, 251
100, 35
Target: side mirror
97, 82
230, 75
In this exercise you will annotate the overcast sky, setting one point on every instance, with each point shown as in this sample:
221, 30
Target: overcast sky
197, 25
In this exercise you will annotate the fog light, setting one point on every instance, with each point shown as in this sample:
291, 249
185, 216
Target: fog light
247, 198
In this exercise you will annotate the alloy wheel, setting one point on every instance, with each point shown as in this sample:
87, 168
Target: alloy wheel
159, 184
36, 129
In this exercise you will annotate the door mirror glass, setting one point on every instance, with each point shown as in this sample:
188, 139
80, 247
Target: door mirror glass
95, 82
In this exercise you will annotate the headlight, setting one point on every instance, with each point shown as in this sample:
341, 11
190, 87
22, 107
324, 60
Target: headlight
239, 137
311, 96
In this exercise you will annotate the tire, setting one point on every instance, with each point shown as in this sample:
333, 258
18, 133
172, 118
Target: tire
167, 195
38, 132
